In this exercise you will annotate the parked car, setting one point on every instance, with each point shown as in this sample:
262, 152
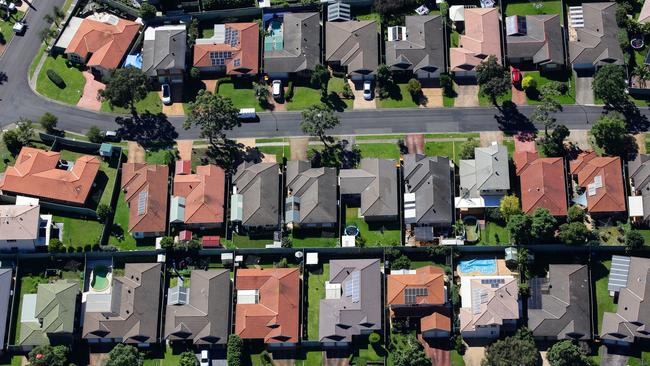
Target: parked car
516, 76
110, 136
166, 94
19, 27
367, 90
277, 89
247, 114
205, 358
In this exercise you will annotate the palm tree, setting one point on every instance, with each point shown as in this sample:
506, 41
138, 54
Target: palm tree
642, 72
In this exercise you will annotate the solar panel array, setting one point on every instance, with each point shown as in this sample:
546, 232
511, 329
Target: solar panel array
493, 282
353, 286
142, 202
618, 273
411, 294
479, 296
535, 298
232, 37
219, 57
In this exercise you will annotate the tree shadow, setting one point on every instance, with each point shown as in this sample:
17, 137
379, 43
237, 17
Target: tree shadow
3, 77
636, 121
335, 102
151, 131
510, 120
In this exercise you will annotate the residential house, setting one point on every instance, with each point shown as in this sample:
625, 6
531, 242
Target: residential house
485, 180
22, 227
255, 200
292, 44
644, 15
200, 313
100, 41
352, 304
418, 47
233, 49
198, 200
164, 53
37, 171
482, 38
372, 186
600, 180
629, 283
268, 303
489, 306
428, 192
6, 296
421, 293
559, 306
48, 316
311, 199
129, 312
593, 42
535, 40
639, 174
354, 47
145, 191
541, 179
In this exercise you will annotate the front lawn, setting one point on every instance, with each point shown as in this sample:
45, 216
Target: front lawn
316, 292
74, 81
240, 92
530, 8
644, 360
604, 302
375, 234
79, 232
457, 359
399, 98
6, 27
6, 159
336, 85
485, 101
278, 151
567, 98
449, 149
379, 150
32, 66
151, 104
171, 358
304, 96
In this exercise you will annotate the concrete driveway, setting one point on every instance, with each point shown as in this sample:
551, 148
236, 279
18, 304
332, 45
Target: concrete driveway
359, 102
89, 98
473, 356
467, 96
433, 98
610, 359
584, 90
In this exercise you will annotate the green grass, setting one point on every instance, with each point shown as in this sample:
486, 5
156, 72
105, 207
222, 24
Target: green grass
456, 359
315, 239
449, 149
371, 16
373, 235
314, 358
79, 232
240, 92
604, 302
527, 8
464, 135
369, 354
125, 241
278, 151
6, 159
610, 235
644, 360
567, 98
243, 241
379, 150
151, 104
73, 78
486, 102
401, 98
32, 66
492, 229
155, 157
454, 39
646, 235
170, 359
336, 85
6, 27
273, 139
303, 97
316, 292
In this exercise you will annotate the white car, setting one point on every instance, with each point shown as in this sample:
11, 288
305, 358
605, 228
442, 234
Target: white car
277, 89
367, 90
166, 94
205, 358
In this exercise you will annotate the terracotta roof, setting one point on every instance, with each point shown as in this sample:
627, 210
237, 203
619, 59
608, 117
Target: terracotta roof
274, 317
542, 180
481, 38
35, 173
105, 43
204, 194
435, 321
429, 277
151, 180
246, 50
610, 195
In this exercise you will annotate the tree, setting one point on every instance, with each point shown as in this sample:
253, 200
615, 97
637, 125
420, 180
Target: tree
388, 7
214, 114
320, 77
188, 358
48, 18
192, 32
104, 211
58, 12
519, 229
317, 120
234, 351
46, 34
125, 87
493, 79
262, 93
20, 136
55, 246
374, 338
566, 353
49, 121
633, 240
124, 355
542, 114
467, 149
347, 91
48, 356
167, 243
147, 11
610, 84
415, 89
642, 72
286, 242
509, 206
611, 135
574, 233
520, 347
576, 214
411, 354
542, 225
152, 131
553, 145
195, 73
94, 135
401, 262
384, 81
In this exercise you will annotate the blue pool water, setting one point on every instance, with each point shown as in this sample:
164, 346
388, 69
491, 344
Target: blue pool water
483, 266
274, 41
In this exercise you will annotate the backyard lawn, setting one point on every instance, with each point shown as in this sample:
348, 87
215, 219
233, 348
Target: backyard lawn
240, 92
243, 241
644, 360
457, 359
314, 358
379, 150
493, 234
6, 27
151, 104
399, 98
315, 239
567, 98
6, 158
532, 8
303, 97
377, 235
79, 232
121, 238
316, 292
604, 302
74, 81
107, 179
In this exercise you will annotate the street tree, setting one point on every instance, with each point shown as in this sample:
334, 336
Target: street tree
492, 78
152, 131
610, 84
49, 121
124, 355
519, 227
317, 120
94, 135
553, 145
565, 353
520, 347
47, 355
542, 225
574, 233
509, 206
610, 134
544, 111
19, 137
125, 87
320, 77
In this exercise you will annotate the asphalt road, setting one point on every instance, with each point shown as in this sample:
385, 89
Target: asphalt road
18, 100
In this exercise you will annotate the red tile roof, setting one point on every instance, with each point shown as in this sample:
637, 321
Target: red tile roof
429, 277
152, 179
435, 321
275, 317
211, 241
185, 235
183, 167
35, 174
204, 194
105, 43
246, 50
610, 197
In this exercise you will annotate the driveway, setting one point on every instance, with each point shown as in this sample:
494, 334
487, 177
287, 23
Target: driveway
580, 138
185, 149
584, 90
473, 356
136, 153
299, 146
467, 96
609, 359
89, 98
433, 97
359, 102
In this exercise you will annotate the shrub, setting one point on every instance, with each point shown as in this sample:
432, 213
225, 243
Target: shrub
347, 92
289, 95
55, 78
234, 352
374, 338
195, 73
55, 246
414, 88
529, 83
94, 135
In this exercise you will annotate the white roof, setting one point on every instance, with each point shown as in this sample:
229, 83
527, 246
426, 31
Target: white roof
312, 258
332, 291
635, 203
69, 32
247, 296
457, 13
28, 310
348, 241
26, 201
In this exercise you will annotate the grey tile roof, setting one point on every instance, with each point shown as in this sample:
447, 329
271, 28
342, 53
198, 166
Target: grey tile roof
354, 44
376, 181
316, 190
6, 278
134, 304
597, 43
542, 41
340, 319
164, 49
632, 318
205, 318
259, 184
639, 172
423, 48
301, 51
429, 178
488, 171
558, 307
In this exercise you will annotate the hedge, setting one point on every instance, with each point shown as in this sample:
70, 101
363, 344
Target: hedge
55, 78
289, 94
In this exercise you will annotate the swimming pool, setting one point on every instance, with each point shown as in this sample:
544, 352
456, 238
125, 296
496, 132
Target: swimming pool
274, 41
482, 266
99, 280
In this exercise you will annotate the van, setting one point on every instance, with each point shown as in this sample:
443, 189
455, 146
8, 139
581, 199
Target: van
247, 113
